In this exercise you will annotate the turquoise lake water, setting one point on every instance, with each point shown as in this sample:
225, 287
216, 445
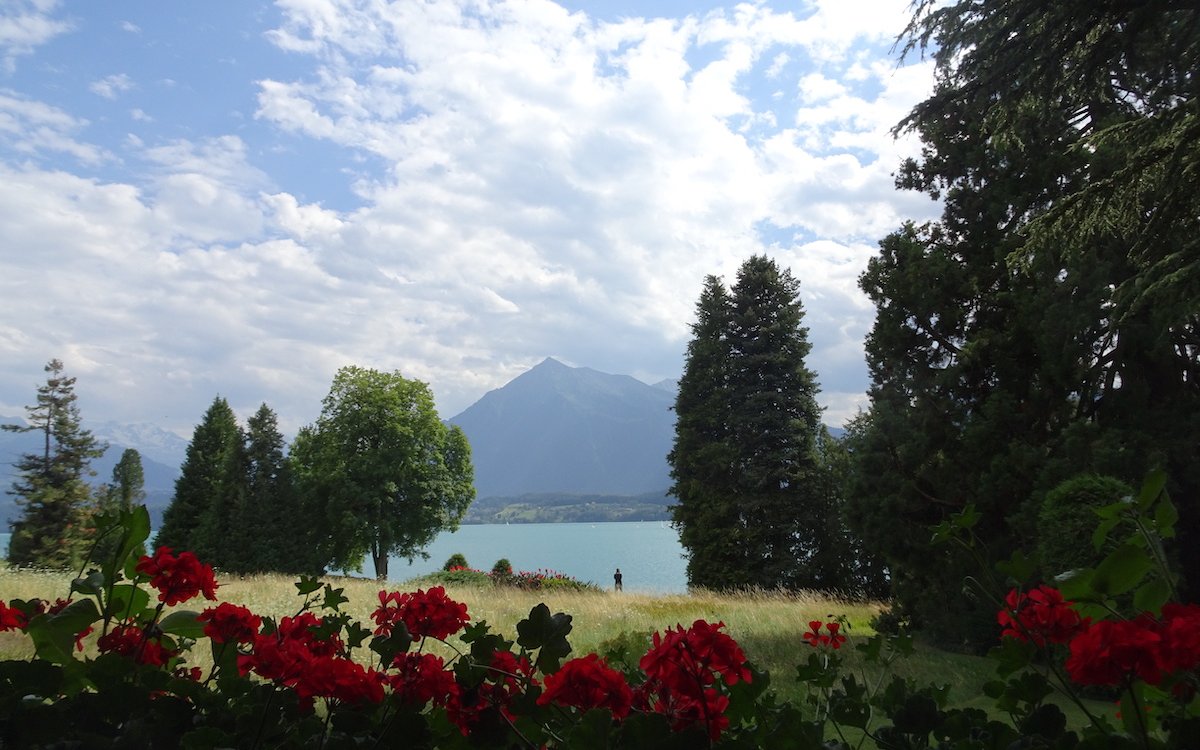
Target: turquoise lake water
647, 552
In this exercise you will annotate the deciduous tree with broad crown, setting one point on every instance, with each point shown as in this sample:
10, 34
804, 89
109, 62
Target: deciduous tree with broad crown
380, 471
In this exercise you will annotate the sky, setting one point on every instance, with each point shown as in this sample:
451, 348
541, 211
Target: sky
238, 198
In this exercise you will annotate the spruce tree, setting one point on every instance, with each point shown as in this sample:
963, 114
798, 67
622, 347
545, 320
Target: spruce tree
129, 479
701, 460
273, 528
774, 420
209, 488
750, 509
126, 490
51, 488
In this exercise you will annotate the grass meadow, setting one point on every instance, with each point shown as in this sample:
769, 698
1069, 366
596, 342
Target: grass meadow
768, 625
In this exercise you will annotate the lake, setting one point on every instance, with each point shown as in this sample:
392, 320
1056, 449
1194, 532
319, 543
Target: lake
647, 552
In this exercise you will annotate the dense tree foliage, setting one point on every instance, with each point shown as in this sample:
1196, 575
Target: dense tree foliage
753, 507
381, 473
51, 486
125, 490
208, 494
1049, 323
278, 538
236, 498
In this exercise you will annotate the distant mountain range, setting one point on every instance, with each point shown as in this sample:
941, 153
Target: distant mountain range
162, 454
557, 443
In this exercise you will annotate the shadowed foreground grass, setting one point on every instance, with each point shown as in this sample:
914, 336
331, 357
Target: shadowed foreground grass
768, 625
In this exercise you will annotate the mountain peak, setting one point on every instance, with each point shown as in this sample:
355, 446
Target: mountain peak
557, 428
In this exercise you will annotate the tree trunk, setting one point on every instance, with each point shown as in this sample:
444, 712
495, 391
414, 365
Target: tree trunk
381, 564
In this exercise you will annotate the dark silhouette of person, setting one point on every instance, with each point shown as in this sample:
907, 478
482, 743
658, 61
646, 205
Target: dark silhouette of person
617, 579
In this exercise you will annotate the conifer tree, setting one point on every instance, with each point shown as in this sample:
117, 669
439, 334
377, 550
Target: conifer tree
129, 479
701, 460
750, 508
274, 530
207, 493
126, 489
1047, 324
51, 488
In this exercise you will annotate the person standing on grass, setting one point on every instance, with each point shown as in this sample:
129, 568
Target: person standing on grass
617, 580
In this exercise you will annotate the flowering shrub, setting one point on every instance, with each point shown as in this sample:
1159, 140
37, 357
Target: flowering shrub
317, 678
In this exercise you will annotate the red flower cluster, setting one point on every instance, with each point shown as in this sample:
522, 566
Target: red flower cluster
11, 619
508, 676
1110, 651
425, 613
1039, 615
178, 578
834, 639
132, 642
229, 623
422, 679
297, 656
588, 683
681, 669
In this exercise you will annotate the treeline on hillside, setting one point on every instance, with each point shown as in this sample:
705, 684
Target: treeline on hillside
566, 508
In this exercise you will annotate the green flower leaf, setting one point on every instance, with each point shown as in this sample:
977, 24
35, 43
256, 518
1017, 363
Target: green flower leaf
184, 623
1152, 595
547, 633
1121, 570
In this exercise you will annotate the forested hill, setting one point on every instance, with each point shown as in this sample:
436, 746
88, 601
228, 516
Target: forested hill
565, 508
570, 430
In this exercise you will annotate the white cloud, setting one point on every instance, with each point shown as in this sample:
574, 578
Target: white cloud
528, 182
33, 129
110, 87
25, 25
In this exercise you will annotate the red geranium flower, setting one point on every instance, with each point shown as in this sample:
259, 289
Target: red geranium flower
228, 623
506, 678
425, 613
11, 619
834, 639
131, 641
1181, 637
284, 655
588, 683
680, 667
1109, 651
339, 679
1039, 615
178, 578
422, 679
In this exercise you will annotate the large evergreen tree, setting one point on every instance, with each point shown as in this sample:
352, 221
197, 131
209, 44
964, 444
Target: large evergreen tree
276, 535
700, 459
209, 491
1048, 324
51, 486
750, 508
381, 473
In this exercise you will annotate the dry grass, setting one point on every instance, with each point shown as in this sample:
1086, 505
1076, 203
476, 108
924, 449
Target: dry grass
769, 624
